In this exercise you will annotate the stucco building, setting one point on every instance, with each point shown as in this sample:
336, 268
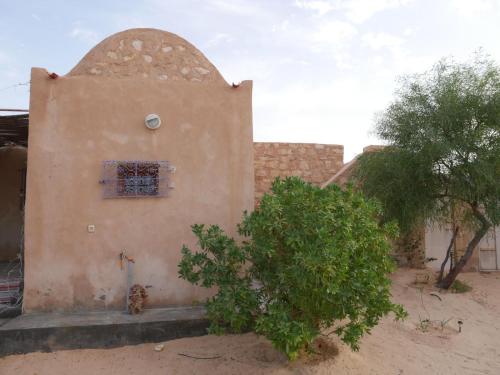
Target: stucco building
140, 140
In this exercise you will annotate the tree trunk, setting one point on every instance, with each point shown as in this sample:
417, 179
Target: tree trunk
448, 253
452, 275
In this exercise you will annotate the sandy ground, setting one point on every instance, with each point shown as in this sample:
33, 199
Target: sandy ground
392, 348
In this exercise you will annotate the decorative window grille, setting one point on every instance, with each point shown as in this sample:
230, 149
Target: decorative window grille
123, 179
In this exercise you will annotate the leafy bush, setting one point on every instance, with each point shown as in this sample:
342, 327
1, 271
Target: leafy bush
313, 259
220, 263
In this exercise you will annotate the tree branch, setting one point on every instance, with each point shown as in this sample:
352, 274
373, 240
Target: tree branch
485, 226
448, 253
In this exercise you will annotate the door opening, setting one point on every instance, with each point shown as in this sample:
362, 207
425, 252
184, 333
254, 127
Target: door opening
489, 249
13, 161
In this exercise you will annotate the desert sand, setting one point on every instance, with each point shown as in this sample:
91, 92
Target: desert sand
413, 346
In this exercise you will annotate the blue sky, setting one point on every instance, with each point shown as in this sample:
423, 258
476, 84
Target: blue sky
321, 69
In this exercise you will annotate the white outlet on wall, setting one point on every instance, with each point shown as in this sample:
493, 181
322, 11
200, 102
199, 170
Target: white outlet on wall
91, 228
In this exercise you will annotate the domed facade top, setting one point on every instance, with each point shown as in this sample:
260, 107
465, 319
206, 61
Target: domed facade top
147, 53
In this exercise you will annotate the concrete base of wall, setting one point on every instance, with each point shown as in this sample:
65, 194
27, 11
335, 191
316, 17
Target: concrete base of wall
107, 329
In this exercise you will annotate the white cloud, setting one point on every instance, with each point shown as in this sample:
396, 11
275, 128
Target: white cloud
282, 26
85, 35
333, 38
362, 10
409, 31
336, 111
237, 7
133, 21
320, 6
219, 38
336, 33
238, 68
474, 8
377, 41
4, 58
356, 11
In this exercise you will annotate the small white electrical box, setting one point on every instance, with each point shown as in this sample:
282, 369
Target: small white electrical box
91, 228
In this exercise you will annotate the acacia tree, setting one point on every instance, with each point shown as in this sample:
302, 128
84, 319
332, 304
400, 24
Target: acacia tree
443, 153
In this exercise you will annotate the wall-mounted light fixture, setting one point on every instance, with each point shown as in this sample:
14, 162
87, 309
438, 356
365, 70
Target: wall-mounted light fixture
152, 121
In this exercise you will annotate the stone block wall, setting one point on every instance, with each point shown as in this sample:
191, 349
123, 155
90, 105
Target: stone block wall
315, 163
409, 249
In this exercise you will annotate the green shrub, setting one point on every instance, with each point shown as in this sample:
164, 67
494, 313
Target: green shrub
312, 259
460, 287
220, 263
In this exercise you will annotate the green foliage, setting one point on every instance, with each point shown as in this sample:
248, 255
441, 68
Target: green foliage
443, 159
220, 263
460, 287
443, 131
317, 258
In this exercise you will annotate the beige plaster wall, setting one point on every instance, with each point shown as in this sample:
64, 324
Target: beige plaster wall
78, 121
12, 162
437, 240
314, 163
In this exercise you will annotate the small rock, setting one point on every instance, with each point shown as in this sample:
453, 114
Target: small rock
201, 70
159, 347
137, 44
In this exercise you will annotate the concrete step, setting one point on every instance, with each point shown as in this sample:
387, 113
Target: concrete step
48, 332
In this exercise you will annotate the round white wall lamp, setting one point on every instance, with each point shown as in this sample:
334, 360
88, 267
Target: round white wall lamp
152, 121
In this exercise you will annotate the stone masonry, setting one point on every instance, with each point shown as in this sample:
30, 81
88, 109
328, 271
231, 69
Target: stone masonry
314, 163
150, 54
